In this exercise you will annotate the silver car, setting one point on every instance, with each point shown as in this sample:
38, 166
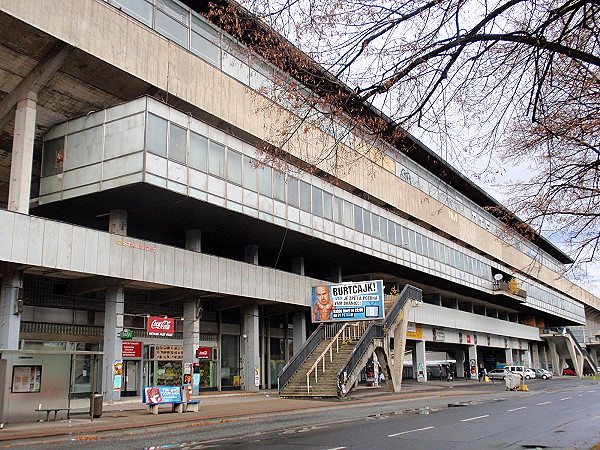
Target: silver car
542, 373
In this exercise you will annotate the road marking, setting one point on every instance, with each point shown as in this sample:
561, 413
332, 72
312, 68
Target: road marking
410, 431
337, 448
580, 395
475, 418
516, 409
566, 398
543, 403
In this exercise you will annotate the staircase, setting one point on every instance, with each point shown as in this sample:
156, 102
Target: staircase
564, 346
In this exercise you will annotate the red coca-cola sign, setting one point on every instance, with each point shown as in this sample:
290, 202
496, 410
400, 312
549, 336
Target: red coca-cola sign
203, 353
160, 326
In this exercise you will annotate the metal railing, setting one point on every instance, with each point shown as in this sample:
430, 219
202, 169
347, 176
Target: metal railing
347, 332
567, 332
407, 293
299, 357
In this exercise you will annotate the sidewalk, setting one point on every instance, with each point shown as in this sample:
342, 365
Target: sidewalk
131, 417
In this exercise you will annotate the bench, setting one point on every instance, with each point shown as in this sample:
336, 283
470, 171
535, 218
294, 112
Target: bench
179, 397
55, 411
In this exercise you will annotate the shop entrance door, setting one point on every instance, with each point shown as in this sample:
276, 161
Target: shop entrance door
131, 374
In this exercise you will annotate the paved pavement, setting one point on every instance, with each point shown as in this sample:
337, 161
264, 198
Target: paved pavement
131, 416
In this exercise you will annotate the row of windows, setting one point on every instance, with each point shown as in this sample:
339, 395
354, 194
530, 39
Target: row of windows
169, 140
183, 26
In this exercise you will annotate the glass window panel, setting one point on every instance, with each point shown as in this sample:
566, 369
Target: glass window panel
304, 196
411, 240
338, 205
138, 9
198, 151
54, 155
266, 181
391, 232
419, 242
206, 49
366, 221
293, 192
171, 29
173, 9
375, 226
358, 218
125, 135
348, 216
199, 25
317, 201
398, 233
216, 159
156, 137
234, 166
327, 205
250, 175
177, 141
405, 239
383, 224
279, 186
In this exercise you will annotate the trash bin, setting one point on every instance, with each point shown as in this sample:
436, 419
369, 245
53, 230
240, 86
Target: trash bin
96, 401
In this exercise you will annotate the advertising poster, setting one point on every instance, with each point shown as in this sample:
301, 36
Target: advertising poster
362, 300
118, 375
159, 394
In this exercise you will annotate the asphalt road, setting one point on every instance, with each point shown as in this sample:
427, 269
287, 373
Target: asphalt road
554, 414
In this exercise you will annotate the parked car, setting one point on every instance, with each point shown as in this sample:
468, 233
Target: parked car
542, 373
497, 374
521, 370
568, 372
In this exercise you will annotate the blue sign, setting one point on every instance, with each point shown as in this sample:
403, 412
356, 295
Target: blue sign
362, 300
161, 394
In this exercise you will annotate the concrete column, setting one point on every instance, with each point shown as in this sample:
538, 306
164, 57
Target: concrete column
526, 359
118, 222
413, 353
10, 319
193, 240
421, 362
508, 355
299, 337
594, 355
298, 266
250, 346
114, 307
555, 358
336, 274
251, 254
544, 361
460, 363
19, 190
535, 355
473, 363
192, 312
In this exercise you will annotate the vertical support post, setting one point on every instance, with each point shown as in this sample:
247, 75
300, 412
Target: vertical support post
460, 363
118, 222
299, 337
251, 355
193, 240
421, 361
473, 363
113, 324
251, 254
192, 312
10, 319
508, 355
555, 358
19, 190
298, 266
336, 274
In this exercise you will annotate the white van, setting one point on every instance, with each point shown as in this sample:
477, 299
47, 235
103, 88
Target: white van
521, 370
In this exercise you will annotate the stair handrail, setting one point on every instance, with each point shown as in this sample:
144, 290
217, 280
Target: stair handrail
406, 293
321, 357
300, 356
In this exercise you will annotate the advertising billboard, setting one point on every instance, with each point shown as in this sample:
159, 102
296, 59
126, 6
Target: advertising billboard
361, 300
160, 326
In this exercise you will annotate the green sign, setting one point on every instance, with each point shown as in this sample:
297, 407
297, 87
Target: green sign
126, 334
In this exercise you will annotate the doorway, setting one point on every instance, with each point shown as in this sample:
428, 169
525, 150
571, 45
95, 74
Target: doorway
131, 375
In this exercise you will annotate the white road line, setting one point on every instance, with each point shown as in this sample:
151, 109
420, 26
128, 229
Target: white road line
410, 431
516, 409
337, 448
580, 395
475, 418
544, 403
566, 398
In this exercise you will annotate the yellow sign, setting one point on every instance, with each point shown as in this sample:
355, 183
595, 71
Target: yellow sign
414, 331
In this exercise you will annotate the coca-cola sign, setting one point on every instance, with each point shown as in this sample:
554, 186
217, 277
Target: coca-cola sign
160, 326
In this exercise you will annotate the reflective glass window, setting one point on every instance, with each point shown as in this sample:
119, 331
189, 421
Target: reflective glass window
138, 9
305, 196
234, 166
250, 176
206, 49
419, 242
54, 155
171, 29
358, 218
177, 143
279, 186
265, 181
327, 205
293, 192
366, 221
156, 135
338, 205
198, 151
348, 216
216, 159
375, 226
411, 240
317, 201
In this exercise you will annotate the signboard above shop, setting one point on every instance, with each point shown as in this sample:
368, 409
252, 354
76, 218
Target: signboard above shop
160, 326
361, 300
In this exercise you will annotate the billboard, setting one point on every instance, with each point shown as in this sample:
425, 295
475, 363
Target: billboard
160, 326
361, 300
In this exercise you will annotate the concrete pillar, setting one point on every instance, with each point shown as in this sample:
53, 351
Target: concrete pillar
544, 360
421, 361
594, 355
114, 307
555, 358
118, 222
526, 359
298, 266
508, 356
299, 337
460, 363
192, 311
251, 254
250, 349
193, 240
10, 319
19, 189
535, 355
473, 363
336, 274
